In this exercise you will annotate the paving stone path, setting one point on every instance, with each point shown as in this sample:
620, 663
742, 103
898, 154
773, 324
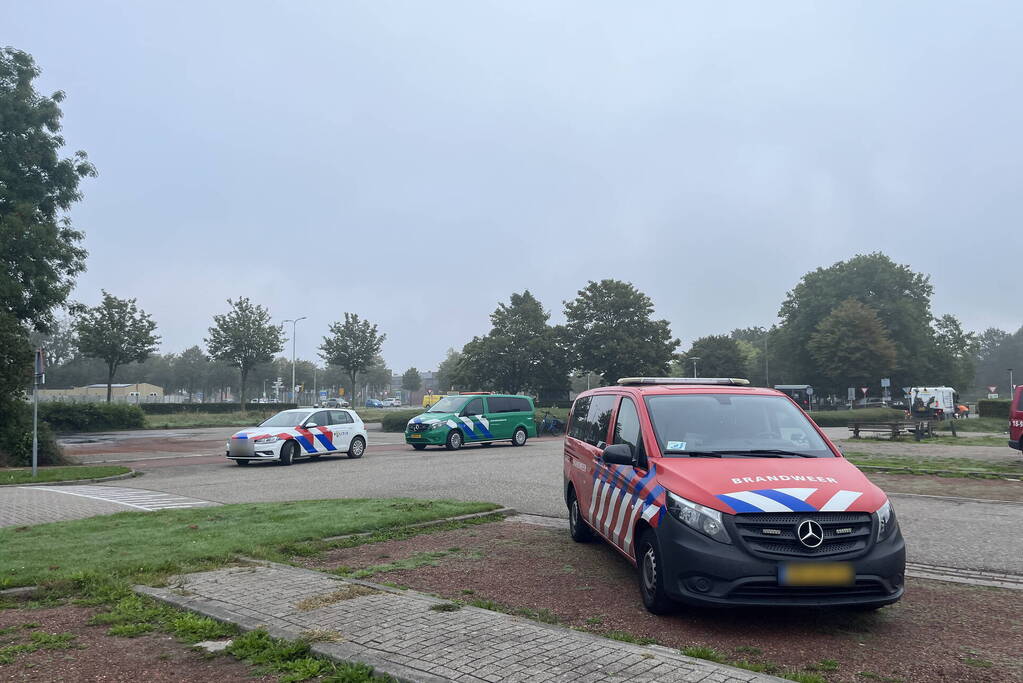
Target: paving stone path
404, 634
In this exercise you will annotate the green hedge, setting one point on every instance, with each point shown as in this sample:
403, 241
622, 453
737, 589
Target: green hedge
91, 417
841, 418
174, 408
994, 407
396, 421
16, 436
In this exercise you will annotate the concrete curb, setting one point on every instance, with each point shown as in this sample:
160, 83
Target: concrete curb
505, 512
127, 475
965, 474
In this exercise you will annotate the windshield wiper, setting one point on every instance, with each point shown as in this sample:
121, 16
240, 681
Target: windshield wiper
695, 454
768, 452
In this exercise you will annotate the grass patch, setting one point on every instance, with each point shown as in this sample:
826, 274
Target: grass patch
801, 677
38, 641
939, 440
446, 607
292, 661
978, 663
841, 418
628, 638
976, 424
14, 477
542, 615
912, 464
134, 615
154, 544
425, 559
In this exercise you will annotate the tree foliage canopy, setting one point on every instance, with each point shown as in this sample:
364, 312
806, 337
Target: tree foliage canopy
244, 337
117, 332
851, 346
353, 345
719, 356
411, 380
613, 333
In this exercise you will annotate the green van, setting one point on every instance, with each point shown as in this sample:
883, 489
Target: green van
472, 418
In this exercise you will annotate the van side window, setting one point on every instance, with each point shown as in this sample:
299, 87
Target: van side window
578, 427
599, 418
627, 430
519, 405
497, 404
474, 407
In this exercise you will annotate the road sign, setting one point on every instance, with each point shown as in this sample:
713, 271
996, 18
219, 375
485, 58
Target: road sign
992, 395
906, 390
809, 391
991, 390
852, 394
886, 382
864, 390
341, 391
323, 394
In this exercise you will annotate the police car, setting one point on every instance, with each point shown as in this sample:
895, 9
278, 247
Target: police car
725, 494
301, 433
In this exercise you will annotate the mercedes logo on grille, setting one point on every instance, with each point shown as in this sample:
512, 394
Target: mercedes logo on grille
810, 533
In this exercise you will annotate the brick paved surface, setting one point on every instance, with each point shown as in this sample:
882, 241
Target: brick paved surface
26, 506
398, 633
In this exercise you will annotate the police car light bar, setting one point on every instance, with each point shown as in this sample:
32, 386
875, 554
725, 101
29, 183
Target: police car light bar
732, 381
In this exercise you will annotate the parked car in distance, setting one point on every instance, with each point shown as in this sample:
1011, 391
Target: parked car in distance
374, 403
392, 402
299, 433
334, 403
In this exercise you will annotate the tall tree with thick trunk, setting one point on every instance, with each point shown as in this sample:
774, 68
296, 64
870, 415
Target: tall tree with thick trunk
244, 337
117, 332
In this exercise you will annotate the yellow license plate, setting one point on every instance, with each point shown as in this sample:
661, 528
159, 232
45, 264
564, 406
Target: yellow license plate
816, 574
417, 436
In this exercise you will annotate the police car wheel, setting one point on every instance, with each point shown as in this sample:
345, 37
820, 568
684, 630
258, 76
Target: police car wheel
519, 437
356, 448
651, 575
577, 527
419, 446
454, 441
288, 452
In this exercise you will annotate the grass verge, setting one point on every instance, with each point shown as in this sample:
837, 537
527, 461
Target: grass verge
154, 544
939, 440
186, 420
975, 424
14, 477
908, 464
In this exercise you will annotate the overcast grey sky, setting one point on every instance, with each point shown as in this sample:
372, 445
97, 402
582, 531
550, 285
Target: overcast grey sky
417, 162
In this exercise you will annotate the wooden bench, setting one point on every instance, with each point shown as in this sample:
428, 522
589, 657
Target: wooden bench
893, 429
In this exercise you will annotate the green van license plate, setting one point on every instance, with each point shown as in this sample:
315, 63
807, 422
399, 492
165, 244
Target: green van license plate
816, 574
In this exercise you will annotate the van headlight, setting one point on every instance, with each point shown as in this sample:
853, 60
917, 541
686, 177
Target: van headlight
886, 524
698, 517
438, 424
268, 439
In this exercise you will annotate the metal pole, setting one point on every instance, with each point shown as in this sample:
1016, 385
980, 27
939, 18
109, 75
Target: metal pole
694, 366
294, 333
35, 427
767, 375
1010, 384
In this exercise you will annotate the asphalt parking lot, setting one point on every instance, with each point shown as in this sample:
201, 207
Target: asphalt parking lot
949, 532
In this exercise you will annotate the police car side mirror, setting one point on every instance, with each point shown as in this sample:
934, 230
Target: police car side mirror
311, 424
618, 454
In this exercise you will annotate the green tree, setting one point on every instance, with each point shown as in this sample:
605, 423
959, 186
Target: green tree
190, 367
998, 352
118, 332
60, 342
719, 356
40, 252
955, 359
244, 337
445, 375
353, 345
411, 380
900, 298
612, 333
851, 346
378, 376
520, 353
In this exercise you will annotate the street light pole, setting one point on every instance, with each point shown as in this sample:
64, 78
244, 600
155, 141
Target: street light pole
294, 323
1010, 384
694, 366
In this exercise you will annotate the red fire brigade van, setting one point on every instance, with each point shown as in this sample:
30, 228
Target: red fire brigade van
725, 494
1016, 419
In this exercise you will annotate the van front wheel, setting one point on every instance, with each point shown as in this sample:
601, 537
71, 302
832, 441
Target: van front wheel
454, 441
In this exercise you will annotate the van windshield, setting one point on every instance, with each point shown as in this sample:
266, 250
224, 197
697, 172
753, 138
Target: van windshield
449, 404
730, 425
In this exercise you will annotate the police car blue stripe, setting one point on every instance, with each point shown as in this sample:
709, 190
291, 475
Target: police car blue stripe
305, 443
738, 505
322, 438
785, 499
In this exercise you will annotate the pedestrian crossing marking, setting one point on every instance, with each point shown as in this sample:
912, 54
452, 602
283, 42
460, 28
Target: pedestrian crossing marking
140, 499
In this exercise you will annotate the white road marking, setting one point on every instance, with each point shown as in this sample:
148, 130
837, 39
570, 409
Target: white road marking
140, 499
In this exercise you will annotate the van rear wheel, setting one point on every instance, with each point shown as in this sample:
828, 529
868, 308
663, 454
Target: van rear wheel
519, 437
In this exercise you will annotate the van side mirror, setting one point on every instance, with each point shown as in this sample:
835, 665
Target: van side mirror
618, 454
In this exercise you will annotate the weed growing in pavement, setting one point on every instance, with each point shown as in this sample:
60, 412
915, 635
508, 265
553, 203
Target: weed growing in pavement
293, 661
748, 650
347, 591
708, 653
135, 615
628, 638
824, 665
595, 621
979, 663
424, 559
446, 607
804, 678
759, 667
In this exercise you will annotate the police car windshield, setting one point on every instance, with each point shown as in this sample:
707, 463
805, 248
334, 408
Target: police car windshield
733, 425
449, 404
287, 418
